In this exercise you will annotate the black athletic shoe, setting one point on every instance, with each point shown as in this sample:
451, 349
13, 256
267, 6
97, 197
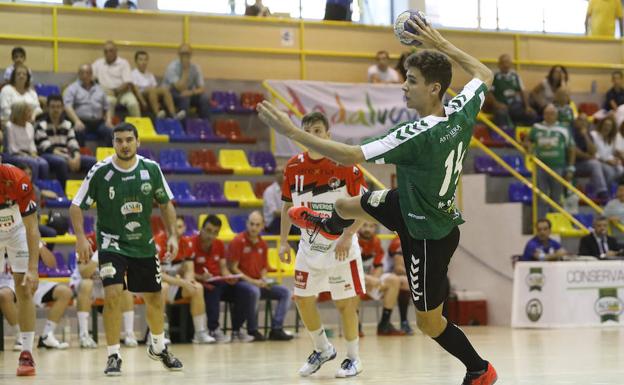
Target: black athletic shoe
279, 335
258, 337
167, 359
113, 365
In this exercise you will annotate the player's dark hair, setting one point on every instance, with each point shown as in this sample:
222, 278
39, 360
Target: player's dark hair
544, 220
434, 66
213, 220
14, 74
54, 98
139, 53
314, 117
124, 127
17, 51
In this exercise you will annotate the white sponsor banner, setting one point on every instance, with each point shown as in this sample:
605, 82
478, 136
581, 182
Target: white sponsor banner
355, 111
567, 294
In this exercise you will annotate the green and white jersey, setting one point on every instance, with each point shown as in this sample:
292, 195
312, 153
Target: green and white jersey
124, 200
551, 144
429, 154
506, 87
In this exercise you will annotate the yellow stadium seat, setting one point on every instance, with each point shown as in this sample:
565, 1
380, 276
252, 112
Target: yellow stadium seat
521, 132
563, 226
280, 269
146, 130
226, 233
237, 161
242, 192
71, 187
104, 152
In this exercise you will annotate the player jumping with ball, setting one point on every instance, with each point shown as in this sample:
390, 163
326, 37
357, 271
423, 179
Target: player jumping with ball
428, 154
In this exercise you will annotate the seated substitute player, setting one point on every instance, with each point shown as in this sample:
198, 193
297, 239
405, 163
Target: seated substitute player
7, 304
324, 265
428, 154
379, 284
396, 265
86, 283
124, 187
178, 277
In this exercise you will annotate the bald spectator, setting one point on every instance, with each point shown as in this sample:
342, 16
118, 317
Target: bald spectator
601, 16
114, 76
186, 82
381, 72
87, 107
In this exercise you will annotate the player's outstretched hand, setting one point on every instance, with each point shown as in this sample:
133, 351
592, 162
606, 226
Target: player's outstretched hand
427, 35
83, 249
342, 247
275, 118
172, 248
31, 280
284, 253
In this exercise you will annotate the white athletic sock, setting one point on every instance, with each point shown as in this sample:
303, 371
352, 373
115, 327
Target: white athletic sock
353, 349
128, 322
16, 330
83, 323
158, 342
320, 340
27, 341
49, 328
199, 322
113, 349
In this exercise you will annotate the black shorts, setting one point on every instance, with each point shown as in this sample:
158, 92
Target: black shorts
143, 273
426, 261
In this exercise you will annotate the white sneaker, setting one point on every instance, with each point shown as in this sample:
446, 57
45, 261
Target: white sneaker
17, 345
220, 337
86, 342
161, 114
129, 340
349, 368
50, 342
180, 115
203, 337
242, 337
316, 360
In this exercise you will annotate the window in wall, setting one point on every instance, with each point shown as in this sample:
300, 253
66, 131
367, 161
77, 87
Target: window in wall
565, 16
453, 13
36, 1
214, 6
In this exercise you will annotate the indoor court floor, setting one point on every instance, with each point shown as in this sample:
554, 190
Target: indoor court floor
532, 357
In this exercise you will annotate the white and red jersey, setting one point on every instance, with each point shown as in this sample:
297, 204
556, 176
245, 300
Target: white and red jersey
17, 199
318, 184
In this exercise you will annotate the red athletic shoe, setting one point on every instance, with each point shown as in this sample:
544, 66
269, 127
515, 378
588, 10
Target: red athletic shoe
488, 377
308, 219
26, 364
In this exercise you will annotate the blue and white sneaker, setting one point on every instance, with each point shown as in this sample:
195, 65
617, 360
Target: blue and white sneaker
316, 360
349, 368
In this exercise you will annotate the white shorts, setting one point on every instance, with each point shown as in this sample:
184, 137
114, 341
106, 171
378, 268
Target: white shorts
16, 248
345, 280
43, 288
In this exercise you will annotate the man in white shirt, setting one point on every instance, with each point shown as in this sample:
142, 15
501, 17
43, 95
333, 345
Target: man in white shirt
382, 72
272, 198
114, 76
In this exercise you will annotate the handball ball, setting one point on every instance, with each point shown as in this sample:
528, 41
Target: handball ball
401, 24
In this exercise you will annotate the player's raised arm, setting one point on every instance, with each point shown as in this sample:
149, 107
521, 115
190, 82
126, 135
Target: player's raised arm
431, 38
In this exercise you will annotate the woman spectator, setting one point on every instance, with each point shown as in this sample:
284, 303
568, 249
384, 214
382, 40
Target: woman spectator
544, 93
604, 139
20, 141
19, 90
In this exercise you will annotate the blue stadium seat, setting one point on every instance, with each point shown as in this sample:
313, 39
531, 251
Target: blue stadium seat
264, 159
515, 161
519, 192
47, 89
191, 225
203, 129
483, 164
586, 219
174, 160
212, 192
238, 223
146, 153
182, 195
174, 129
54, 185
61, 269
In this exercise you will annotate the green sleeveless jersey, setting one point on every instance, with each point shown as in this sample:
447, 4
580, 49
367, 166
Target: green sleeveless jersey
124, 200
428, 154
506, 87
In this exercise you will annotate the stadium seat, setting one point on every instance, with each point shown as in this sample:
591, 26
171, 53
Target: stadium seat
264, 159
521, 132
588, 108
237, 161
226, 101
259, 188
174, 161
146, 153
183, 197
202, 129
72, 261
226, 232
276, 265
207, 160
173, 128
563, 226
88, 225
238, 222
146, 130
104, 152
191, 225
482, 133
484, 164
230, 130
212, 193
61, 269
71, 188
515, 161
586, 219
46, 90
250, 100
242, 192
55, 186
519, 192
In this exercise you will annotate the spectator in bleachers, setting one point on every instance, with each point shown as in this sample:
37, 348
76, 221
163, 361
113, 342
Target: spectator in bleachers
19, 90
87, 107
40, 194
604, 137
56, 142
541, 247
18, 56
400, 67
272, 203
186, 82
113, 73
379, 285
552, 144
120, 4
147, 88
565, 114
381, 72
586, 161
178, 280
601, 16
507, 96
210, 268
257, 9
544, 92
20, 140
248, 257
396, 264
598, 243
615, 95
614, 210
